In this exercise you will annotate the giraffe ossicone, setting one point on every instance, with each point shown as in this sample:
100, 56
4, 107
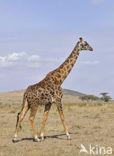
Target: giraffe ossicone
48, 92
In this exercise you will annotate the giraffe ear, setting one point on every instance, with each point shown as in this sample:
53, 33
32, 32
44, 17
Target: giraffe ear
81, 39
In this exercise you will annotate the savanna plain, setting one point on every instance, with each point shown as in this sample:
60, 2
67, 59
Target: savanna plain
88, 123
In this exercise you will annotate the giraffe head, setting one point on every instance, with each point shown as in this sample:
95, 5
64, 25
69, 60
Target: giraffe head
83, 45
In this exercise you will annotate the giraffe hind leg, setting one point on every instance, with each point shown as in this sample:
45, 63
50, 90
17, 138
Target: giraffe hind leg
19, 120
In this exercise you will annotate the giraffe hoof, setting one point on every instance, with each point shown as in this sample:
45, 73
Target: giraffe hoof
42, 138
14, 140
36, 140
68, 137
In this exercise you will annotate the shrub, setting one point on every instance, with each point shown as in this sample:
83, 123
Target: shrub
89, 98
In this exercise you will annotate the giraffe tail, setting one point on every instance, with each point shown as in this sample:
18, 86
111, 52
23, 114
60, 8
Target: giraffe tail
18, 120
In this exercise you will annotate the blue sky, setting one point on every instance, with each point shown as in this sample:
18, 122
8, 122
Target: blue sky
37, 36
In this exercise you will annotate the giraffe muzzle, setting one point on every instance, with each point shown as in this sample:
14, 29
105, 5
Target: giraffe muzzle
91, 49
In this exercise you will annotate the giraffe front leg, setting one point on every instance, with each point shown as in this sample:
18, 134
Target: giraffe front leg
45, 116
60, 110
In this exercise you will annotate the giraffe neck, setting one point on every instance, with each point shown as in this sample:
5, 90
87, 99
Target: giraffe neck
64, 69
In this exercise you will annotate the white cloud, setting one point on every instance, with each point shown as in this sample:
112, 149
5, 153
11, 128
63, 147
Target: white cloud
15, 56
4, 62
34, 58
11, 59
89, 62
95, 2
14, 59
2, 59
33, 61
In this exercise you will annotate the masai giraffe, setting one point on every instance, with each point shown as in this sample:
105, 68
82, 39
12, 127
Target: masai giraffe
49, 91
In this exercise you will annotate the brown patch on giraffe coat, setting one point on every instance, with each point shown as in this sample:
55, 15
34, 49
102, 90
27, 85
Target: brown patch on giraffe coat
68, 66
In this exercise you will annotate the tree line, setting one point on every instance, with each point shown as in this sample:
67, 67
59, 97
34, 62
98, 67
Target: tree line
104, 97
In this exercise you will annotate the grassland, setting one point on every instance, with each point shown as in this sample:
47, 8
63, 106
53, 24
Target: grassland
88, 123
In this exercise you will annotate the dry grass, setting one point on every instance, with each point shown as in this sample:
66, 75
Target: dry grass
88, 123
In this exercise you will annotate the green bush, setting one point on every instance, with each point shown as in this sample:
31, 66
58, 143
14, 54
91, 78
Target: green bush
89, 98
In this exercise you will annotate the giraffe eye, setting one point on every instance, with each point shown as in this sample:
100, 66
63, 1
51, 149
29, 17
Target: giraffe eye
86, 44
81, 45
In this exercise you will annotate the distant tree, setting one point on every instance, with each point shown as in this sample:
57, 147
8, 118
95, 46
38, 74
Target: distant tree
89, 98
105, 97
84, 98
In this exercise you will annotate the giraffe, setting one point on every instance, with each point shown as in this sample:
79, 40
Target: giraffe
48, 92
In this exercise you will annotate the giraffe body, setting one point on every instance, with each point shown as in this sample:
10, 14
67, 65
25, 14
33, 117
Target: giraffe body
43, 93
48, 92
